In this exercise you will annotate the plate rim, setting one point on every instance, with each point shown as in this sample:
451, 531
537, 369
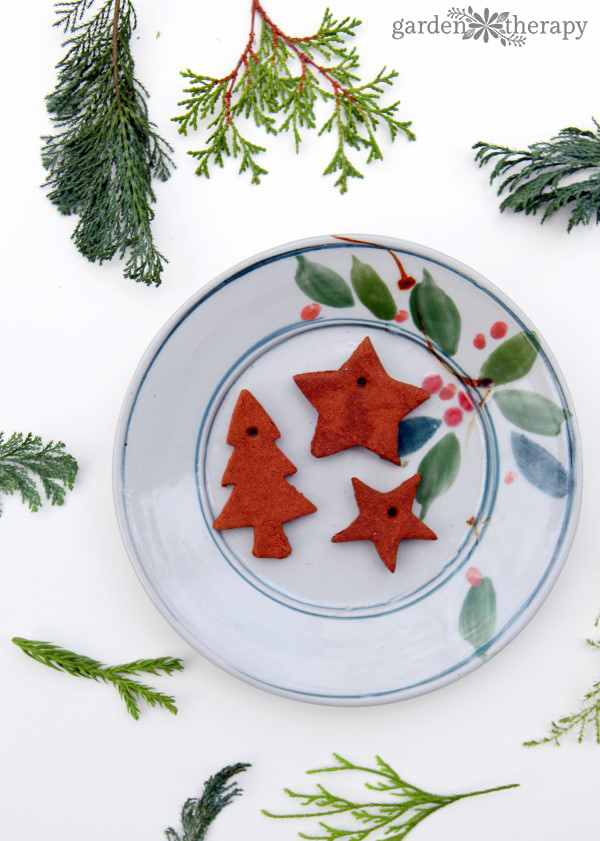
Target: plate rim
136, 382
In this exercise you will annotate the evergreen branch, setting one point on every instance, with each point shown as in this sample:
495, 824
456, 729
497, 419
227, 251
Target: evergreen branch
22, 456
70, 14
106, 152
540, 178
198, 814
586, 719
277, 82
160, 665
131, 691
391, 820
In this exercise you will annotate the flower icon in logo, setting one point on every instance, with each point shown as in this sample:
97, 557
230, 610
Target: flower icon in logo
476, 25
486, 25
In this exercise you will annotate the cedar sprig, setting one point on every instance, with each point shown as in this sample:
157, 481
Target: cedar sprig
131, 691
391, 820
198, 814
23, 457
106, 152
70, 14
585, 720
277, 83
541, 178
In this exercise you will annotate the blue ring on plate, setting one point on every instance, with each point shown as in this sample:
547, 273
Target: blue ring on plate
483, 515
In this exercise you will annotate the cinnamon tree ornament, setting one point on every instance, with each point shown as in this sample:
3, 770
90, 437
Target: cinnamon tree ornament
359, 405
386, 519
262, 498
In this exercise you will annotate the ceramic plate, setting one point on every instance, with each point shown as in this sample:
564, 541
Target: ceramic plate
497, 445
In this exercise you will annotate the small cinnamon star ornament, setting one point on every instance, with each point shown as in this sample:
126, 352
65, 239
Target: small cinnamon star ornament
359, 405
386, 519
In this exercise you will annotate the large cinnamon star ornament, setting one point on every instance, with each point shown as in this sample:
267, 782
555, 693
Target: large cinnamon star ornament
386, 519
359, 405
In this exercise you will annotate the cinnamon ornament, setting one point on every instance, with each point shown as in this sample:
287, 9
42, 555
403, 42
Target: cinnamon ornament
261, 498
386, 519
359, 405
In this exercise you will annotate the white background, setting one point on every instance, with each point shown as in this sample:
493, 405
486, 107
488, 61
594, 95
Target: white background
74, 765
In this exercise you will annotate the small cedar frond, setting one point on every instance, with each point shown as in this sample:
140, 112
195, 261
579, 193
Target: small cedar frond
391, 819
197, 814
563, 172
131, 691
106, 152
276, 84
24, 458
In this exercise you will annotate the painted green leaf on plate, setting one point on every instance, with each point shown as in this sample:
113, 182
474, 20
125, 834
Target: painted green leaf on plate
539, 467
371, 290
435, 314
414, 432
477, 619
439, 468
322, 284
511, 360
530, 411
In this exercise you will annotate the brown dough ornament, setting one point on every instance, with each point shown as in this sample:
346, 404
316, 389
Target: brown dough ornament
386, 519
359, 405
261, 497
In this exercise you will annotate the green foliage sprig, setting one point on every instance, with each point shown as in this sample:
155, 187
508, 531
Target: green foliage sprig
106, 152
277, 82
24, 456
198, 814
586, 719
391, 820
131, 691
540, 178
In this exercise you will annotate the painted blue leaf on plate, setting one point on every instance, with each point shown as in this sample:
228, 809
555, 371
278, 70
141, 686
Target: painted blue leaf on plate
478, 615
414, 432
539, 466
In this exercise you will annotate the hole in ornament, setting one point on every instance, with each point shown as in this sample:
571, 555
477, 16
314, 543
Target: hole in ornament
392, 512
361, 382
252, 431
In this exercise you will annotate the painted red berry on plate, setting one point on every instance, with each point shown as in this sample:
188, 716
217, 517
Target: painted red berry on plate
499, 330
453, 416
401, 316
479, 341
406, 281
432, 383
509, 478
465, 402
474, 576
310, 312
448, 392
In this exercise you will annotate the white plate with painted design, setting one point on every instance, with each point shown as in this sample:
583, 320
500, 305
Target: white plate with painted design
498, 437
